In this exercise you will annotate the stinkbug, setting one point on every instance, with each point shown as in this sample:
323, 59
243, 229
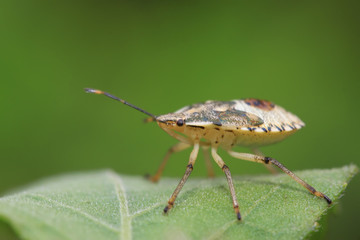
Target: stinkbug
247, 122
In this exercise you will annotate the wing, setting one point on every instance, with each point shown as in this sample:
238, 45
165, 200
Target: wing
275, 118
219, 114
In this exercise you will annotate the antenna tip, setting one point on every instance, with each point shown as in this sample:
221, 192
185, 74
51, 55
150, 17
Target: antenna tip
90, 90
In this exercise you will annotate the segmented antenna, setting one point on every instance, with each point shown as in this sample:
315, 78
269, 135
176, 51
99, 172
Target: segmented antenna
95, 91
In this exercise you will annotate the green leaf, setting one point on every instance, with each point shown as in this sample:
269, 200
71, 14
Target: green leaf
104, 205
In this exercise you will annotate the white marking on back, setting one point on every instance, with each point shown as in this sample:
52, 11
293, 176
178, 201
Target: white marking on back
199, 123
276, 116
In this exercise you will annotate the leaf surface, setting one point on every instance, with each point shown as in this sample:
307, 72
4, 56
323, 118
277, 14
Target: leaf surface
104, 205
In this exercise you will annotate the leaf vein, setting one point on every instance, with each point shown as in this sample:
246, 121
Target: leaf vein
84, 214
143, 211
42, 221
125, 228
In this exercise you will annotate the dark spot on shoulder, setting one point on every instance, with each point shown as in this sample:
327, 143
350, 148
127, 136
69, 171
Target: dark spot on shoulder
264, 129
250, 129
217, 128
269, 129
262, 104
256, 102
279, 128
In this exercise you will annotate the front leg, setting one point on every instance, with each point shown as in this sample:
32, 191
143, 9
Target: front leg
188, 171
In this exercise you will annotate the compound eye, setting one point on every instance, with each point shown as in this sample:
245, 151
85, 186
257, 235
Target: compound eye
180, 122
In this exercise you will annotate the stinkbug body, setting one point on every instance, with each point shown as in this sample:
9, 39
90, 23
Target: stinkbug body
247, 122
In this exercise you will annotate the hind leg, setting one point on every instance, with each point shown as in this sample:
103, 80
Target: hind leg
268, 160
269, 167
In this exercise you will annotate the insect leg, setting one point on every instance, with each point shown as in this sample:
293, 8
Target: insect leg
226, 170
209, 167
269, 167
268, 160
189, 169
176, 148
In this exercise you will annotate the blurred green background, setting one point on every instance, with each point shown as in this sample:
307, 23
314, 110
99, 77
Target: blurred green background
161, 56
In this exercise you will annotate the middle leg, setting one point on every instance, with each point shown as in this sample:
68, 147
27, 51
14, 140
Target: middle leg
226, 170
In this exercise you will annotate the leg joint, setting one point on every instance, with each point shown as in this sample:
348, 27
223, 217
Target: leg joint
267, 160
225, 167
190, 166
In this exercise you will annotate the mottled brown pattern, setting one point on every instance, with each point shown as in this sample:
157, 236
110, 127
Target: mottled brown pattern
262, 104
218, 113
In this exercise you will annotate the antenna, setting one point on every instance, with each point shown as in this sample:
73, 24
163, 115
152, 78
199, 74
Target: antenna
95, 91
